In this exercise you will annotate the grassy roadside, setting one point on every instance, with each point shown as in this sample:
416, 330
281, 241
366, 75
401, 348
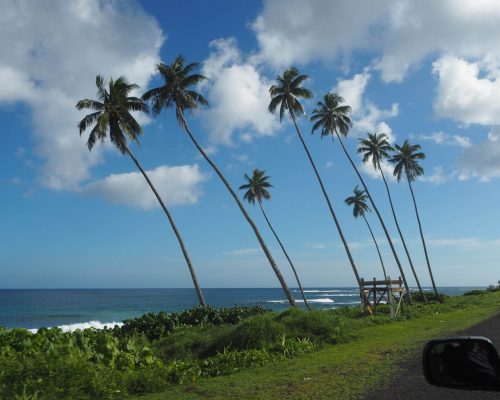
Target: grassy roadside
343, 371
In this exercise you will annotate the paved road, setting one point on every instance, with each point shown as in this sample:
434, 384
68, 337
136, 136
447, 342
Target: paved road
411, 384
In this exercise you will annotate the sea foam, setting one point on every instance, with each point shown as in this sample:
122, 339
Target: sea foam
85, 325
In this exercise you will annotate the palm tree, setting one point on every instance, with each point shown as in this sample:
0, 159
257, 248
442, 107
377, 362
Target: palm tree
176, 92
375, 148
256, 188
332, 117
111, 116
358, 201
406, 159
285, 96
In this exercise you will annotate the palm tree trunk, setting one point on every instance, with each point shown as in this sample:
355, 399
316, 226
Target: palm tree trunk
376, 245
379, 218
243, 211
423, 241
199, 293
401, 234
339, 229
286, 255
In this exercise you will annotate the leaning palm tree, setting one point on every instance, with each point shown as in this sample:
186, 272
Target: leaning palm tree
405, 158
332, 117
285, 96
175, 92
358, 201
257, 188
375, 148
111, 116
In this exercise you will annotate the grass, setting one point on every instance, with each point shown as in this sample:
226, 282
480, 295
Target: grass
365, 354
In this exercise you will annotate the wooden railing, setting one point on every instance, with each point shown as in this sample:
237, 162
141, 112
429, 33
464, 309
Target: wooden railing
375, 292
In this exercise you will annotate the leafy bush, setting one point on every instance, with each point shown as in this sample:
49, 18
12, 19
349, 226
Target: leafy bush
253, 333
157, 350
493, 288
314, 324
475, 292
190, 342
82, 364
154, 326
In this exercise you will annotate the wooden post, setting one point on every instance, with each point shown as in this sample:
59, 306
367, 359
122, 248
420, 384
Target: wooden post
362, 294
389, 296
374, 295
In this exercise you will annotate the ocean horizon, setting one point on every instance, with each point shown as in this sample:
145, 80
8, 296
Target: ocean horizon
71, 309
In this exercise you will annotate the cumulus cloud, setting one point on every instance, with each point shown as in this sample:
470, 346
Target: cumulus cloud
366, 116
468, 93
387, 168
50, 54
463, 95
238, 95
437, 177
352, 91
445, 139
482, 160
176, 185
402, 32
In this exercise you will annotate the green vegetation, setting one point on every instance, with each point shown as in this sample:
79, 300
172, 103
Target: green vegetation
188, 354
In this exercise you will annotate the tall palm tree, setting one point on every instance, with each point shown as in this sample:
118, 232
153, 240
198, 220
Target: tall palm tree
285, 96
257, 188
405, 158
358, 201
332, 117
111, 116
175, 92
376, 148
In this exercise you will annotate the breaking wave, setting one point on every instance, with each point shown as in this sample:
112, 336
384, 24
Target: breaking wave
85, 325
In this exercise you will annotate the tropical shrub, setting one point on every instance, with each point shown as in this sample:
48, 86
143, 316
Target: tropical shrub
154, 326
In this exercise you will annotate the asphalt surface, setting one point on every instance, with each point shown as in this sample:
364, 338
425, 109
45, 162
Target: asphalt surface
410, 384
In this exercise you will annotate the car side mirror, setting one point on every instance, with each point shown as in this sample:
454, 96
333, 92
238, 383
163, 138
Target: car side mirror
462, 363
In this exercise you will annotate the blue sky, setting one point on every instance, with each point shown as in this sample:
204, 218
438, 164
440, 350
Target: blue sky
428, 72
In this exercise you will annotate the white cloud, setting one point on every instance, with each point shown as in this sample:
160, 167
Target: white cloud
50, 53
244, 252
402, 32
465, 243
437, 177
373, 120
238, 96
463, 95
445, 138
15, 86
352, 91
482, 160
387, 168
176, 185
366, 116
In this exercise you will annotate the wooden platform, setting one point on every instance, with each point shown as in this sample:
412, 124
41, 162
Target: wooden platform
377, 292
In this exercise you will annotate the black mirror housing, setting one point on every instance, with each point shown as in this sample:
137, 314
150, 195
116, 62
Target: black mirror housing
462, 363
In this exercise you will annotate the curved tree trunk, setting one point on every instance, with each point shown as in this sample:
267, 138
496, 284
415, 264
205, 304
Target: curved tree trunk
339, 229
401, 234
243, 211
199, 293
286, 255
422, 236
376, 245
388, 237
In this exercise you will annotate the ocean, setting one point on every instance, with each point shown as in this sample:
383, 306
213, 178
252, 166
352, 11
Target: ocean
73, 309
